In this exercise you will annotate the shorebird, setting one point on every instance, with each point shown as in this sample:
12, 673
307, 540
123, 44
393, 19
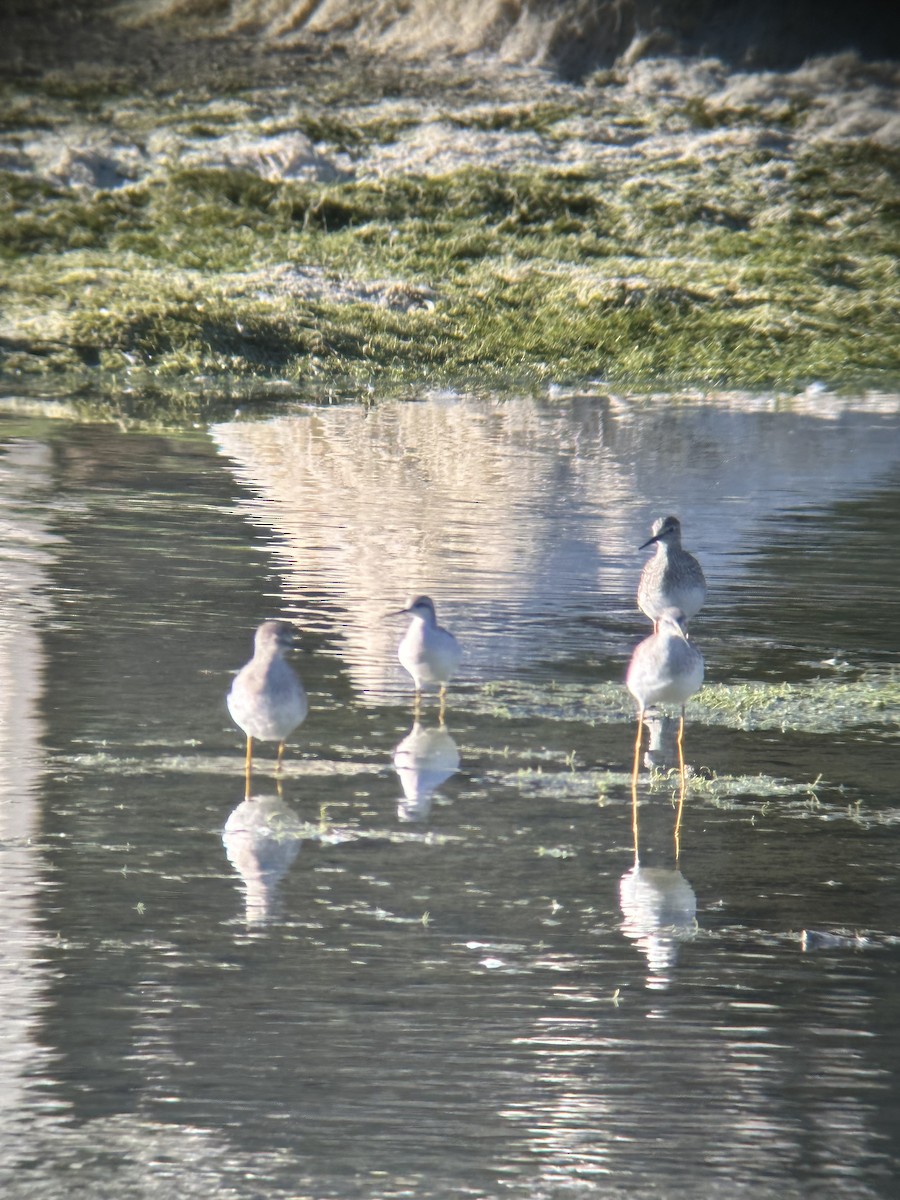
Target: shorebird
665, 668
430, 653
672, 578
267, 700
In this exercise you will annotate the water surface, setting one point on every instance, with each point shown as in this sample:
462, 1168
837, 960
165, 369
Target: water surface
435, 963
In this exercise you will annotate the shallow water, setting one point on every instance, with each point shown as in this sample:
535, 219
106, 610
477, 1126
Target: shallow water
434, 964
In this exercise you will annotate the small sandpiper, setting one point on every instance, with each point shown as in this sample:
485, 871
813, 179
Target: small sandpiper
430, 653
665, 668
672, 578
267, 700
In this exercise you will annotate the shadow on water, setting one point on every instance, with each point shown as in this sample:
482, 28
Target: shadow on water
449, 957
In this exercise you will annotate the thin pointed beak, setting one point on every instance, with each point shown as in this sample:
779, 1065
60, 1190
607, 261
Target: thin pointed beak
649, 542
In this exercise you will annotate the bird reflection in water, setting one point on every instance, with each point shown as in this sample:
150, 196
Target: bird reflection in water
427, 757
658, 905
662, 752
262, 839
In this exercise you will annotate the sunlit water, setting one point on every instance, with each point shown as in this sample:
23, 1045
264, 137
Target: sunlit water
437, 964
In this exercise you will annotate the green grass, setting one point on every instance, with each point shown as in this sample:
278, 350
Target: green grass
683, 276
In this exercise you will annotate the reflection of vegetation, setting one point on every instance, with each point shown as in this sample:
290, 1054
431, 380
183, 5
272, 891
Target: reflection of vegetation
818, 706
758, 795
591, 789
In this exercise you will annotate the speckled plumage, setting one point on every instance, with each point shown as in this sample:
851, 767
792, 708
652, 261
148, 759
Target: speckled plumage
672, 578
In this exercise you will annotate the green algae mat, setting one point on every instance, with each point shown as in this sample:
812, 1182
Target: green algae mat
663, 227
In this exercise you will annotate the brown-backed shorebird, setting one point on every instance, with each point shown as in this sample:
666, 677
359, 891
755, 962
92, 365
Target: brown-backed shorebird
267, 700
665, 668
672, 578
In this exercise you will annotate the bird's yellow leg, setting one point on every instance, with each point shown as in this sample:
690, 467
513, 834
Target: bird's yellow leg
634, 779
278, 759
443, 704
637, 749
678, 825
680, 790
417, 705
248, 767
634, 819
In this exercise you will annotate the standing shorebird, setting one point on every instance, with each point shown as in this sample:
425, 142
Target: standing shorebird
672, 578
267, 700
665, 668
430, 653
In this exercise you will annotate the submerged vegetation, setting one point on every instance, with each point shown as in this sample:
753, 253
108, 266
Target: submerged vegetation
816, 706
591, 234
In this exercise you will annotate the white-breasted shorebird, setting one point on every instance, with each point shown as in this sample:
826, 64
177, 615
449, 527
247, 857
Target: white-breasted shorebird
267, 700
665, 668
430, 653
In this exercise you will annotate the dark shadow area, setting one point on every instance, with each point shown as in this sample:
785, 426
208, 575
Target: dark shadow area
48, 36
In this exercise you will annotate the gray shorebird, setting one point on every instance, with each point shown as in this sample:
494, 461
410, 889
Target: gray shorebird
430, 653
267, 700
665, 668
672, 578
